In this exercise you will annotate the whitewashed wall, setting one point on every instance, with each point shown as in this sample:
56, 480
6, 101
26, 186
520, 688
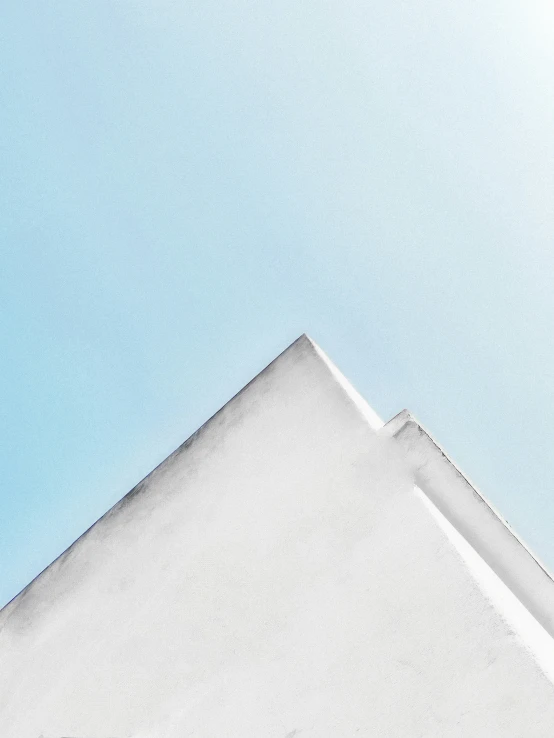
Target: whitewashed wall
279, 575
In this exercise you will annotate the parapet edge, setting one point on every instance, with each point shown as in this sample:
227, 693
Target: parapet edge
474, 517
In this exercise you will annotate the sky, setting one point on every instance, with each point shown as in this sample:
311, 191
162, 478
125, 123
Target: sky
186, 187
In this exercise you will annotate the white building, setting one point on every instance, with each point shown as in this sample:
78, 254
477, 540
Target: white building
296, 568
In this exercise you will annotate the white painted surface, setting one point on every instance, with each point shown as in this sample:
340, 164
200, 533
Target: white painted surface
475, 518
279, 575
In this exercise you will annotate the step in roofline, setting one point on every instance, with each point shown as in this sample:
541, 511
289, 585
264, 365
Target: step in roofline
475, 518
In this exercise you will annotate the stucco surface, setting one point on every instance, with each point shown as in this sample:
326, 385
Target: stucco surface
281, 574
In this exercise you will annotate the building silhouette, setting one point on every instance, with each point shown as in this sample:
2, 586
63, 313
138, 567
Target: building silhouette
296, 568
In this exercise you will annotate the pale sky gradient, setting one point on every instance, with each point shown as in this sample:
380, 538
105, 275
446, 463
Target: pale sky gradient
188, 186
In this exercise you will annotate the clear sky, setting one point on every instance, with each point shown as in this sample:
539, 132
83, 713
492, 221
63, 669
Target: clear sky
187, 186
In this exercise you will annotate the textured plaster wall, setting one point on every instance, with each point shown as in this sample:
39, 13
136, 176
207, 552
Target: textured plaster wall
279, 575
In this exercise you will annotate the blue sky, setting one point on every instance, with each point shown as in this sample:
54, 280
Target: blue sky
188, 186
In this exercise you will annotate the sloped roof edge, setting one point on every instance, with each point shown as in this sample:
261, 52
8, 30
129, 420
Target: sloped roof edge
301, 346
475, 518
